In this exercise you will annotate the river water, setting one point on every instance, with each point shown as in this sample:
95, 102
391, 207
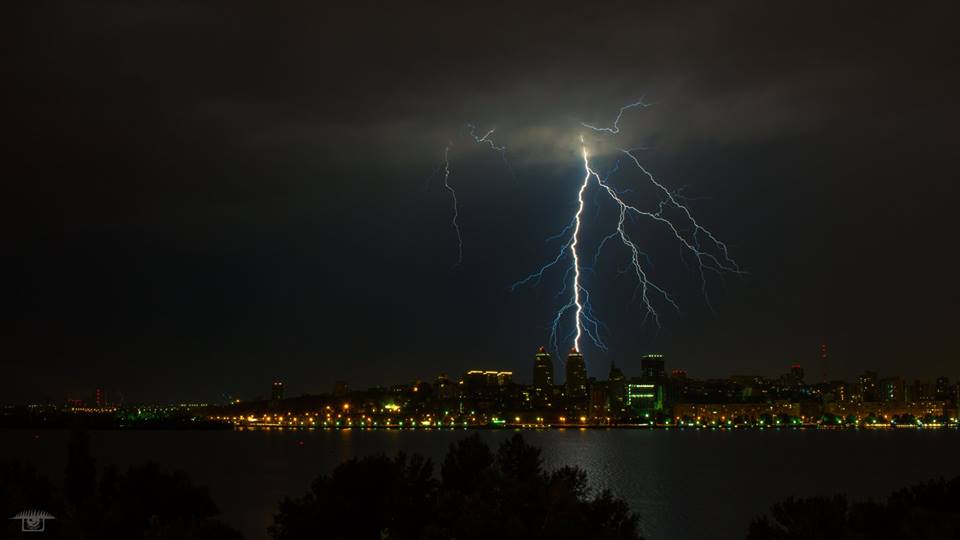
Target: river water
682, 483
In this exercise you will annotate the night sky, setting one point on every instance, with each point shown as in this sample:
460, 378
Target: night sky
199, 199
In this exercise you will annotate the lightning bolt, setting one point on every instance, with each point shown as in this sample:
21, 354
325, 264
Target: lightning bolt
484, 139
577, 287
453, 197
615, 128
585, 322
705, 259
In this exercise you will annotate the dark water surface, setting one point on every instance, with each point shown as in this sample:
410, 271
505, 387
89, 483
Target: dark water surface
683, 483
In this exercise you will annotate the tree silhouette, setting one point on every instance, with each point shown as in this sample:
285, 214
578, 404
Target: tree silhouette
145, 502
80, 475
465, 464
362, 499
21, 488
925, 511
149, 499
480, 495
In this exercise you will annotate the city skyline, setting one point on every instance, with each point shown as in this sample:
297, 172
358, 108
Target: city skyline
657, 395
546, 371
614, 270
194, 209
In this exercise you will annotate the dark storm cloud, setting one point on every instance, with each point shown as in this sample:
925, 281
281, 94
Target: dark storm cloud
405, 77
238, 187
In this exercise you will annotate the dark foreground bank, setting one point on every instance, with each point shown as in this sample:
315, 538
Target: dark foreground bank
479, 493
395, 497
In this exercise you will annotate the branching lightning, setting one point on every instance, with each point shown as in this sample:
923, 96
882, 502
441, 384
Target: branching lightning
615, 128
445, 166
486, 139
584, 320
668, 210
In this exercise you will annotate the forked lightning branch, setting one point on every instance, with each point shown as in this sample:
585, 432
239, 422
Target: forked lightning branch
710, 254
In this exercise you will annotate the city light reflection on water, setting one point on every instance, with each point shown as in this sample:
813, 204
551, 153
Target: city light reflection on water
683, 483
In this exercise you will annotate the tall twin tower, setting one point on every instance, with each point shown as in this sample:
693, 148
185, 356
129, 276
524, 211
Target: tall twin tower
576, 374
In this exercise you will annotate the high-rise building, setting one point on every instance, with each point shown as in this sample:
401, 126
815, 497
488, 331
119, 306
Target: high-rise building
868, 387
576, 382
617, 391
340, 388
893, 390
276, 391
480, 377
677, 387
651, 367
943, 389
600, 401
486, 389
796, 372
921, 391
542, 371
98, 398
644, 398
444, 388
839, 391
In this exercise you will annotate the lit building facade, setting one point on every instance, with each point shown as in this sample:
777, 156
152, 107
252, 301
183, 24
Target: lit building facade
477, 377
617, 392
893, 390
722, 413
644, 399
943, 388
652, 367
867, 384
600, 401
576, 383
542, 371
